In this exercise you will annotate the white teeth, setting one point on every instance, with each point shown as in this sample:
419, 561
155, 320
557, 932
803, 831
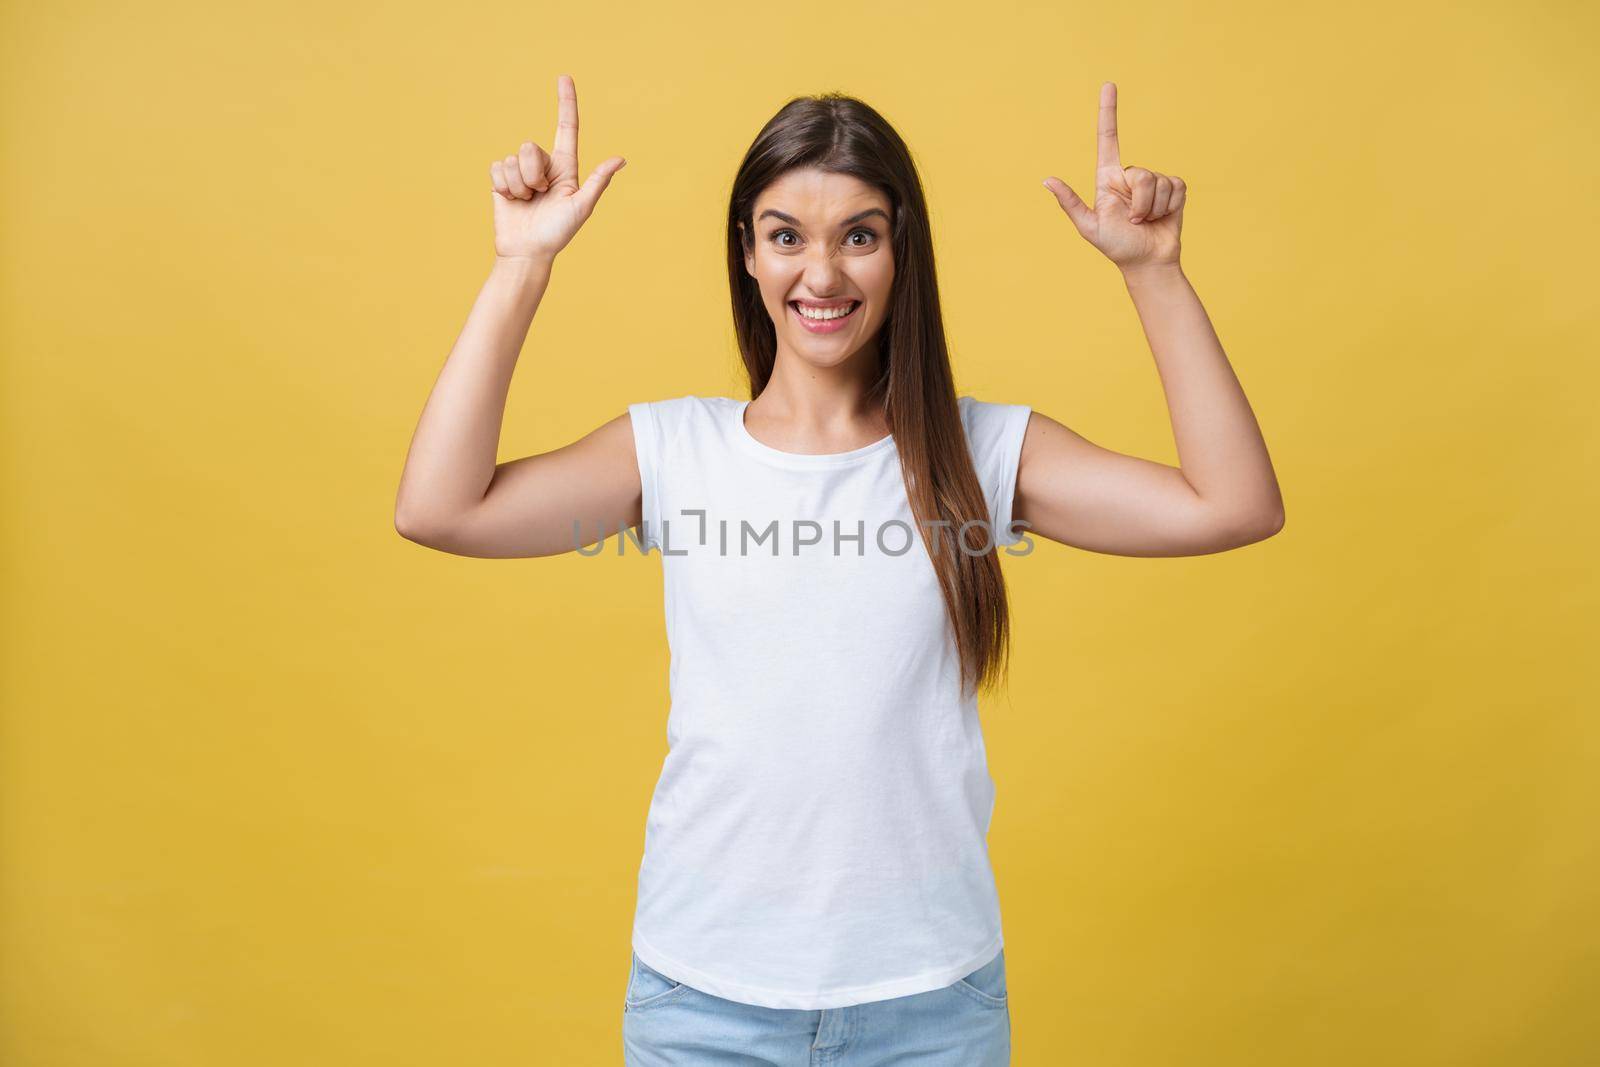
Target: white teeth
824, 313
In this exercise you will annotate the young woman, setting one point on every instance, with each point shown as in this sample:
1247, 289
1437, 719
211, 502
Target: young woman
816, 886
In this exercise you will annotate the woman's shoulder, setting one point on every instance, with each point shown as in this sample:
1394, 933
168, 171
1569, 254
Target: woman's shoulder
688, 406
985, 416
697, 399
666, 420
994, 428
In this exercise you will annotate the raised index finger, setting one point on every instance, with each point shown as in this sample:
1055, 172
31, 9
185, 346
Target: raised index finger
1109, 155
565, 154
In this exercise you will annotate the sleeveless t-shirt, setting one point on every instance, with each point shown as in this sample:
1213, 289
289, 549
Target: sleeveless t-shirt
818, 836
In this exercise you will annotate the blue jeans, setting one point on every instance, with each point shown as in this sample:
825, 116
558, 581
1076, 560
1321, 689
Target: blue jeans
965, 1024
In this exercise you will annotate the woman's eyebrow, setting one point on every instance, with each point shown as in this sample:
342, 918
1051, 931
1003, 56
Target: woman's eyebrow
791, 220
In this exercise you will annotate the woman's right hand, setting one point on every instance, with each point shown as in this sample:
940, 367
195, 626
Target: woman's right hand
538, 204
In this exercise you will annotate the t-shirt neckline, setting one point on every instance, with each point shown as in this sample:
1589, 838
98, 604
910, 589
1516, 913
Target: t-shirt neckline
801, 460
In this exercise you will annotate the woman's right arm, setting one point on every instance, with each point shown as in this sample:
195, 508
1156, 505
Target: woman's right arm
455, 498
453, 495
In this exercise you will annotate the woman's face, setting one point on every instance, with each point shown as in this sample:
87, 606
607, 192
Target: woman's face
822, 241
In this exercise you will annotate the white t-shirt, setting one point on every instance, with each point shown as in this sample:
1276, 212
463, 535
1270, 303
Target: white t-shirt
818, 836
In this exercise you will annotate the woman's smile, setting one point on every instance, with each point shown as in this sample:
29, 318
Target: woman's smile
824, 318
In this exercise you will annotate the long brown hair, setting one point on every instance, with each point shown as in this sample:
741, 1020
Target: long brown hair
914, 384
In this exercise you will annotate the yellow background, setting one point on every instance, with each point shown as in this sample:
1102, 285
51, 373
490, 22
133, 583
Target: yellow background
280, 787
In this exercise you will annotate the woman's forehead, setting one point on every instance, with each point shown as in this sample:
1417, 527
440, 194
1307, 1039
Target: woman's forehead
819, 195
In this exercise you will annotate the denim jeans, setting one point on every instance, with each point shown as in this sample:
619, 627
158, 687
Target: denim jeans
669, 1024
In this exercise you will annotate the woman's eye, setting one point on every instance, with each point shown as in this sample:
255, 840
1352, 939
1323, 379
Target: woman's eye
777, 237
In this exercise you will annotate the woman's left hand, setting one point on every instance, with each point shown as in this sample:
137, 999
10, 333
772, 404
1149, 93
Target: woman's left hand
1137, 213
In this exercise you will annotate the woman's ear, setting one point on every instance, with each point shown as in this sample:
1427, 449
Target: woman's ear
744, 245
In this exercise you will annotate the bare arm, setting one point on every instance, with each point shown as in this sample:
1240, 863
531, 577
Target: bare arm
453, 496
1223, 495
1224, 492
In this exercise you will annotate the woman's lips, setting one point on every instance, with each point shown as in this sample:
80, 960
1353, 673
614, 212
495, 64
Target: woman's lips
824, 325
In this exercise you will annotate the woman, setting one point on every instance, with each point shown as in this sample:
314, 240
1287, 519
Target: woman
816, 884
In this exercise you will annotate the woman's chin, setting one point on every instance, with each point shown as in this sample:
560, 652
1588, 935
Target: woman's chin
822, 355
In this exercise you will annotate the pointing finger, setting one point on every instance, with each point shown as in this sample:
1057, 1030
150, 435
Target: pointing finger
564, 157
1107, 150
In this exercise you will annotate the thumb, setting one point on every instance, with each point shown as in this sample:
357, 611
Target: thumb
589, 193
1081, 214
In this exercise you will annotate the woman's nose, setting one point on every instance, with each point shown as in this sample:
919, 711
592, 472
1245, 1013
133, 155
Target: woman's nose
822, 272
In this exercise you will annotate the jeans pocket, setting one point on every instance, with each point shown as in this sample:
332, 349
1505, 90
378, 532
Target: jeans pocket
987, 984
648, 987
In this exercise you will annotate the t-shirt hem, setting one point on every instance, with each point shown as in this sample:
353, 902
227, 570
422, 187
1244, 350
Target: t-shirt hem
816, 1000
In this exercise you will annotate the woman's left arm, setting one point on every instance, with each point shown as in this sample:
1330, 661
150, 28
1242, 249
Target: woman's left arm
1224, 493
